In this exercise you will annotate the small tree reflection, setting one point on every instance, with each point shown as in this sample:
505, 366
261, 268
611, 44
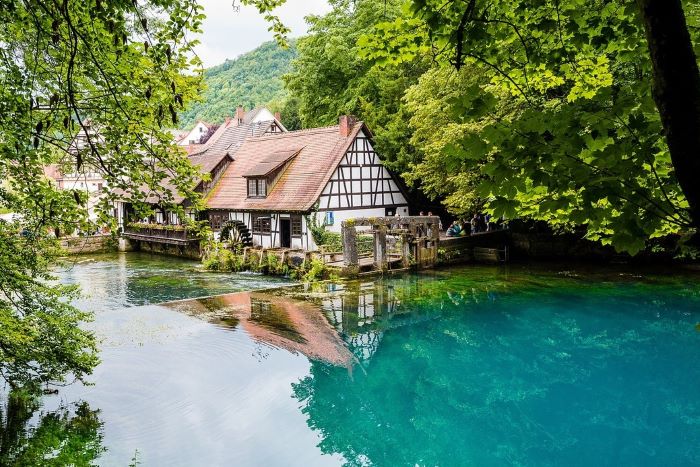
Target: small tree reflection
70, 435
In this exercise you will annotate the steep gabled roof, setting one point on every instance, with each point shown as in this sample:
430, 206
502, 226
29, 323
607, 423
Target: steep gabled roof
251, 114
224, 143
272, 163
302, 182
204, 162
232, 136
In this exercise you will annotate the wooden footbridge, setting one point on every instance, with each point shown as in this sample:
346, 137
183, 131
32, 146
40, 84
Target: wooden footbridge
412, 242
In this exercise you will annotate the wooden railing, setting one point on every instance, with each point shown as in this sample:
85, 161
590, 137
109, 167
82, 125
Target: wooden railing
165, 233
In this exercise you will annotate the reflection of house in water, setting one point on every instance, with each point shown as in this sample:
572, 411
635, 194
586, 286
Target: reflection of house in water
282, 322
360, 312
363, 311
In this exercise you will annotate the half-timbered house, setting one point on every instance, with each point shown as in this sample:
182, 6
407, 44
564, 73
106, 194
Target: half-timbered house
212, 159
277, 182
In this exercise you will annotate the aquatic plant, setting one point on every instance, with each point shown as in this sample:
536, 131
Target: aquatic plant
218, 258
275, 265
315, 271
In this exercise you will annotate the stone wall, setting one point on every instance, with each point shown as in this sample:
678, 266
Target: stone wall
191, 251
84, 245
558, 247
536, 240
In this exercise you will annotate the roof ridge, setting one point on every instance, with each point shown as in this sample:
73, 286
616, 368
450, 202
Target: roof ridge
321, 129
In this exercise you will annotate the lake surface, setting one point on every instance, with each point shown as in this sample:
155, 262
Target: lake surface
467, 366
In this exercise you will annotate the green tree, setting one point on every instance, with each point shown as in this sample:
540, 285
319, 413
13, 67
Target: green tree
250, 80
112, 71
435, 132
564, 129
329, 77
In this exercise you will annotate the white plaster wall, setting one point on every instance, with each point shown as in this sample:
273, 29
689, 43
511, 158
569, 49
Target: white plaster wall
340, 216
264, 115
120, 214
197, 132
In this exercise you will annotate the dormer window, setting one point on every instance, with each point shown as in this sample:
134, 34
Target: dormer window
257, 188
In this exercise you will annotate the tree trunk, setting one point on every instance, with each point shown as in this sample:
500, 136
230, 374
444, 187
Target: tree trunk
676, 91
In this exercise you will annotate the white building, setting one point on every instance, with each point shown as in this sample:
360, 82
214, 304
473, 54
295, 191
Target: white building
86, 178
212, 158
197, 135
277, 181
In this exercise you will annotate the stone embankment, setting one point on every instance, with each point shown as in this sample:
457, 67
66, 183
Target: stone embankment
91, 244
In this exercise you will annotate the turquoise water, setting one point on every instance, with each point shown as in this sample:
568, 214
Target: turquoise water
468, 366
478, 367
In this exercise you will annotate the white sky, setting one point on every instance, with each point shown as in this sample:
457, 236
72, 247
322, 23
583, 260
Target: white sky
227, 34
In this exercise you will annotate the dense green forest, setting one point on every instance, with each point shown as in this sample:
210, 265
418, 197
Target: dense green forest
544, 112
253, 79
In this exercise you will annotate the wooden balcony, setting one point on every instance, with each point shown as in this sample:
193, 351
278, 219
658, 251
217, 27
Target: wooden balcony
172, 235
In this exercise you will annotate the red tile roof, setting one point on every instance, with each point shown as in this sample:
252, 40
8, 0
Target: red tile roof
302, 182
203, 162
272, 163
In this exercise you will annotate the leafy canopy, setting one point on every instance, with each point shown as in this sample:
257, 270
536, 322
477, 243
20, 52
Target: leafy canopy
330, 78
113, 72
559, 120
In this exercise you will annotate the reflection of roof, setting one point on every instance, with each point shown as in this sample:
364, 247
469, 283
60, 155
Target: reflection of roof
294, 325
301, 183
271, 163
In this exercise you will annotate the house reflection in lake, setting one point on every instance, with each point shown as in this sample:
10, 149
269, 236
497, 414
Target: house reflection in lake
274, 320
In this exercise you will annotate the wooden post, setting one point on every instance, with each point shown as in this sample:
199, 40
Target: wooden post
436, 229
435, 240
406, 250
380, 260
350, 258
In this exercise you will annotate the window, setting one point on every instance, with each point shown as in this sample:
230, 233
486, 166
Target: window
296, 226
257, 188
329, 220
262, 224
216, 220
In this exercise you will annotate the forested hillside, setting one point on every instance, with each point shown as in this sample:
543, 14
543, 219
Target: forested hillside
250, 80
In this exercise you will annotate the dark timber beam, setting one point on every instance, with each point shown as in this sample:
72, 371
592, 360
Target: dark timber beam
676, 91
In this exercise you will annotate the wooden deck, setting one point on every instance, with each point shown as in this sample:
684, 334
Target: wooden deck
160, 235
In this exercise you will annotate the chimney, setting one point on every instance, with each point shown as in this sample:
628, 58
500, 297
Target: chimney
278, 117
240, 114
346, 123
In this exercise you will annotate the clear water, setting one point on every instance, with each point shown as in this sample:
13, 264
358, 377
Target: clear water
468, 366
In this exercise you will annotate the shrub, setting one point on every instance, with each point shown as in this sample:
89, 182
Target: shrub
217, 258
316, 270
331, 241
275, 265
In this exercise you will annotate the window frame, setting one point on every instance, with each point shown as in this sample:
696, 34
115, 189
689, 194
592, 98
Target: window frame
296, 220
261, 229
217, 220
259, 187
